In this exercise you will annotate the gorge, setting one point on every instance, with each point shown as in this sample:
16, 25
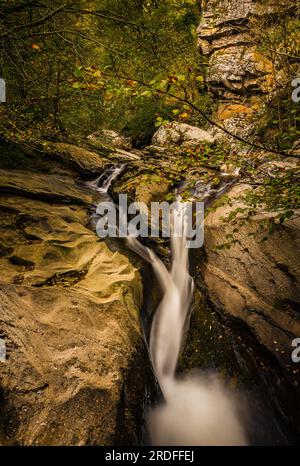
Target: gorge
111, 341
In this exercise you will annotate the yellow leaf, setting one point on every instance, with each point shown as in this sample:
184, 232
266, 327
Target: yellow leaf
131, 83
184, 115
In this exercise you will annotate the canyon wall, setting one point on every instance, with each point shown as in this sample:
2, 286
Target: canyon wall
241, 75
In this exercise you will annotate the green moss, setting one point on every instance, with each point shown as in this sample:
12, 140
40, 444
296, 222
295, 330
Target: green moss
208, 343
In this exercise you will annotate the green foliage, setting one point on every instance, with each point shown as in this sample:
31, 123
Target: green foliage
278, 38
277, 195
280, 123
64, 69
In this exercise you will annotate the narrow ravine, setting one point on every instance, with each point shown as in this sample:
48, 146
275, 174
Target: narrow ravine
195, 400
191, 403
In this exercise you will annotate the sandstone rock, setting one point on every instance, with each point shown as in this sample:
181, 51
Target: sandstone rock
256, 281
237, 69
227, 111
48, 187
181, 134
83, 160
296, 145
240, 70
296, 148
123, 155
143, 188
114, 148
110, 138
69, 319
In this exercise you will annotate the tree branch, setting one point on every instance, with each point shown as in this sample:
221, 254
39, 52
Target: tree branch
110, 17
205, 116
38, 22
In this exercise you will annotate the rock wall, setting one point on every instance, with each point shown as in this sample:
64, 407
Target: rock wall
254, 283
69, 316
240, 75
257, 283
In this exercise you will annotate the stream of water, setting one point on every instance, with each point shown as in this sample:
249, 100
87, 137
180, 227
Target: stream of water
197, 408
104, 181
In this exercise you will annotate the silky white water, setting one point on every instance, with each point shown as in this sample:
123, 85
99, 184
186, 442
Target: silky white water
197, 409
171, 315
104, 181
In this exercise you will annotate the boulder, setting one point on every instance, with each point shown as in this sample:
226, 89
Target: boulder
145, 188
110, 138
181, 134
84, 161
295, 151
114, 146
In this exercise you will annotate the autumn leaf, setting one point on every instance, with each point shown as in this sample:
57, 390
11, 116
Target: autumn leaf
91, 87
131, 83
35, 47
184, 115
172, 79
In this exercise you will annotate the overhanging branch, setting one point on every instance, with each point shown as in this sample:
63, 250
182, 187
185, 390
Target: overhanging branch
205, 116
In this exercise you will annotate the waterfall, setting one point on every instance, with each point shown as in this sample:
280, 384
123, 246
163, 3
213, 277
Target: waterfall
104, 181
197, 409
168, 325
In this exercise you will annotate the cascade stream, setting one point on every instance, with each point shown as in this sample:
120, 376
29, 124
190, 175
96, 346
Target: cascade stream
196, 409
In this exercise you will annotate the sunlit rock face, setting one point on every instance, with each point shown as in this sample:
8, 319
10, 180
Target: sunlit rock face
69, 314
239, 75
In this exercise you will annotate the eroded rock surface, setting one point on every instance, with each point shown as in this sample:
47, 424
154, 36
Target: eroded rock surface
240, 75
69, 319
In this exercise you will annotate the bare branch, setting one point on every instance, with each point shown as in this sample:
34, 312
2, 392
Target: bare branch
34, 23
206, 117
110, 17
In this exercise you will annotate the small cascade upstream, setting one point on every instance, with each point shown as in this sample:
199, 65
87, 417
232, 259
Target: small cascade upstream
104, 181
197, 409
208, 192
